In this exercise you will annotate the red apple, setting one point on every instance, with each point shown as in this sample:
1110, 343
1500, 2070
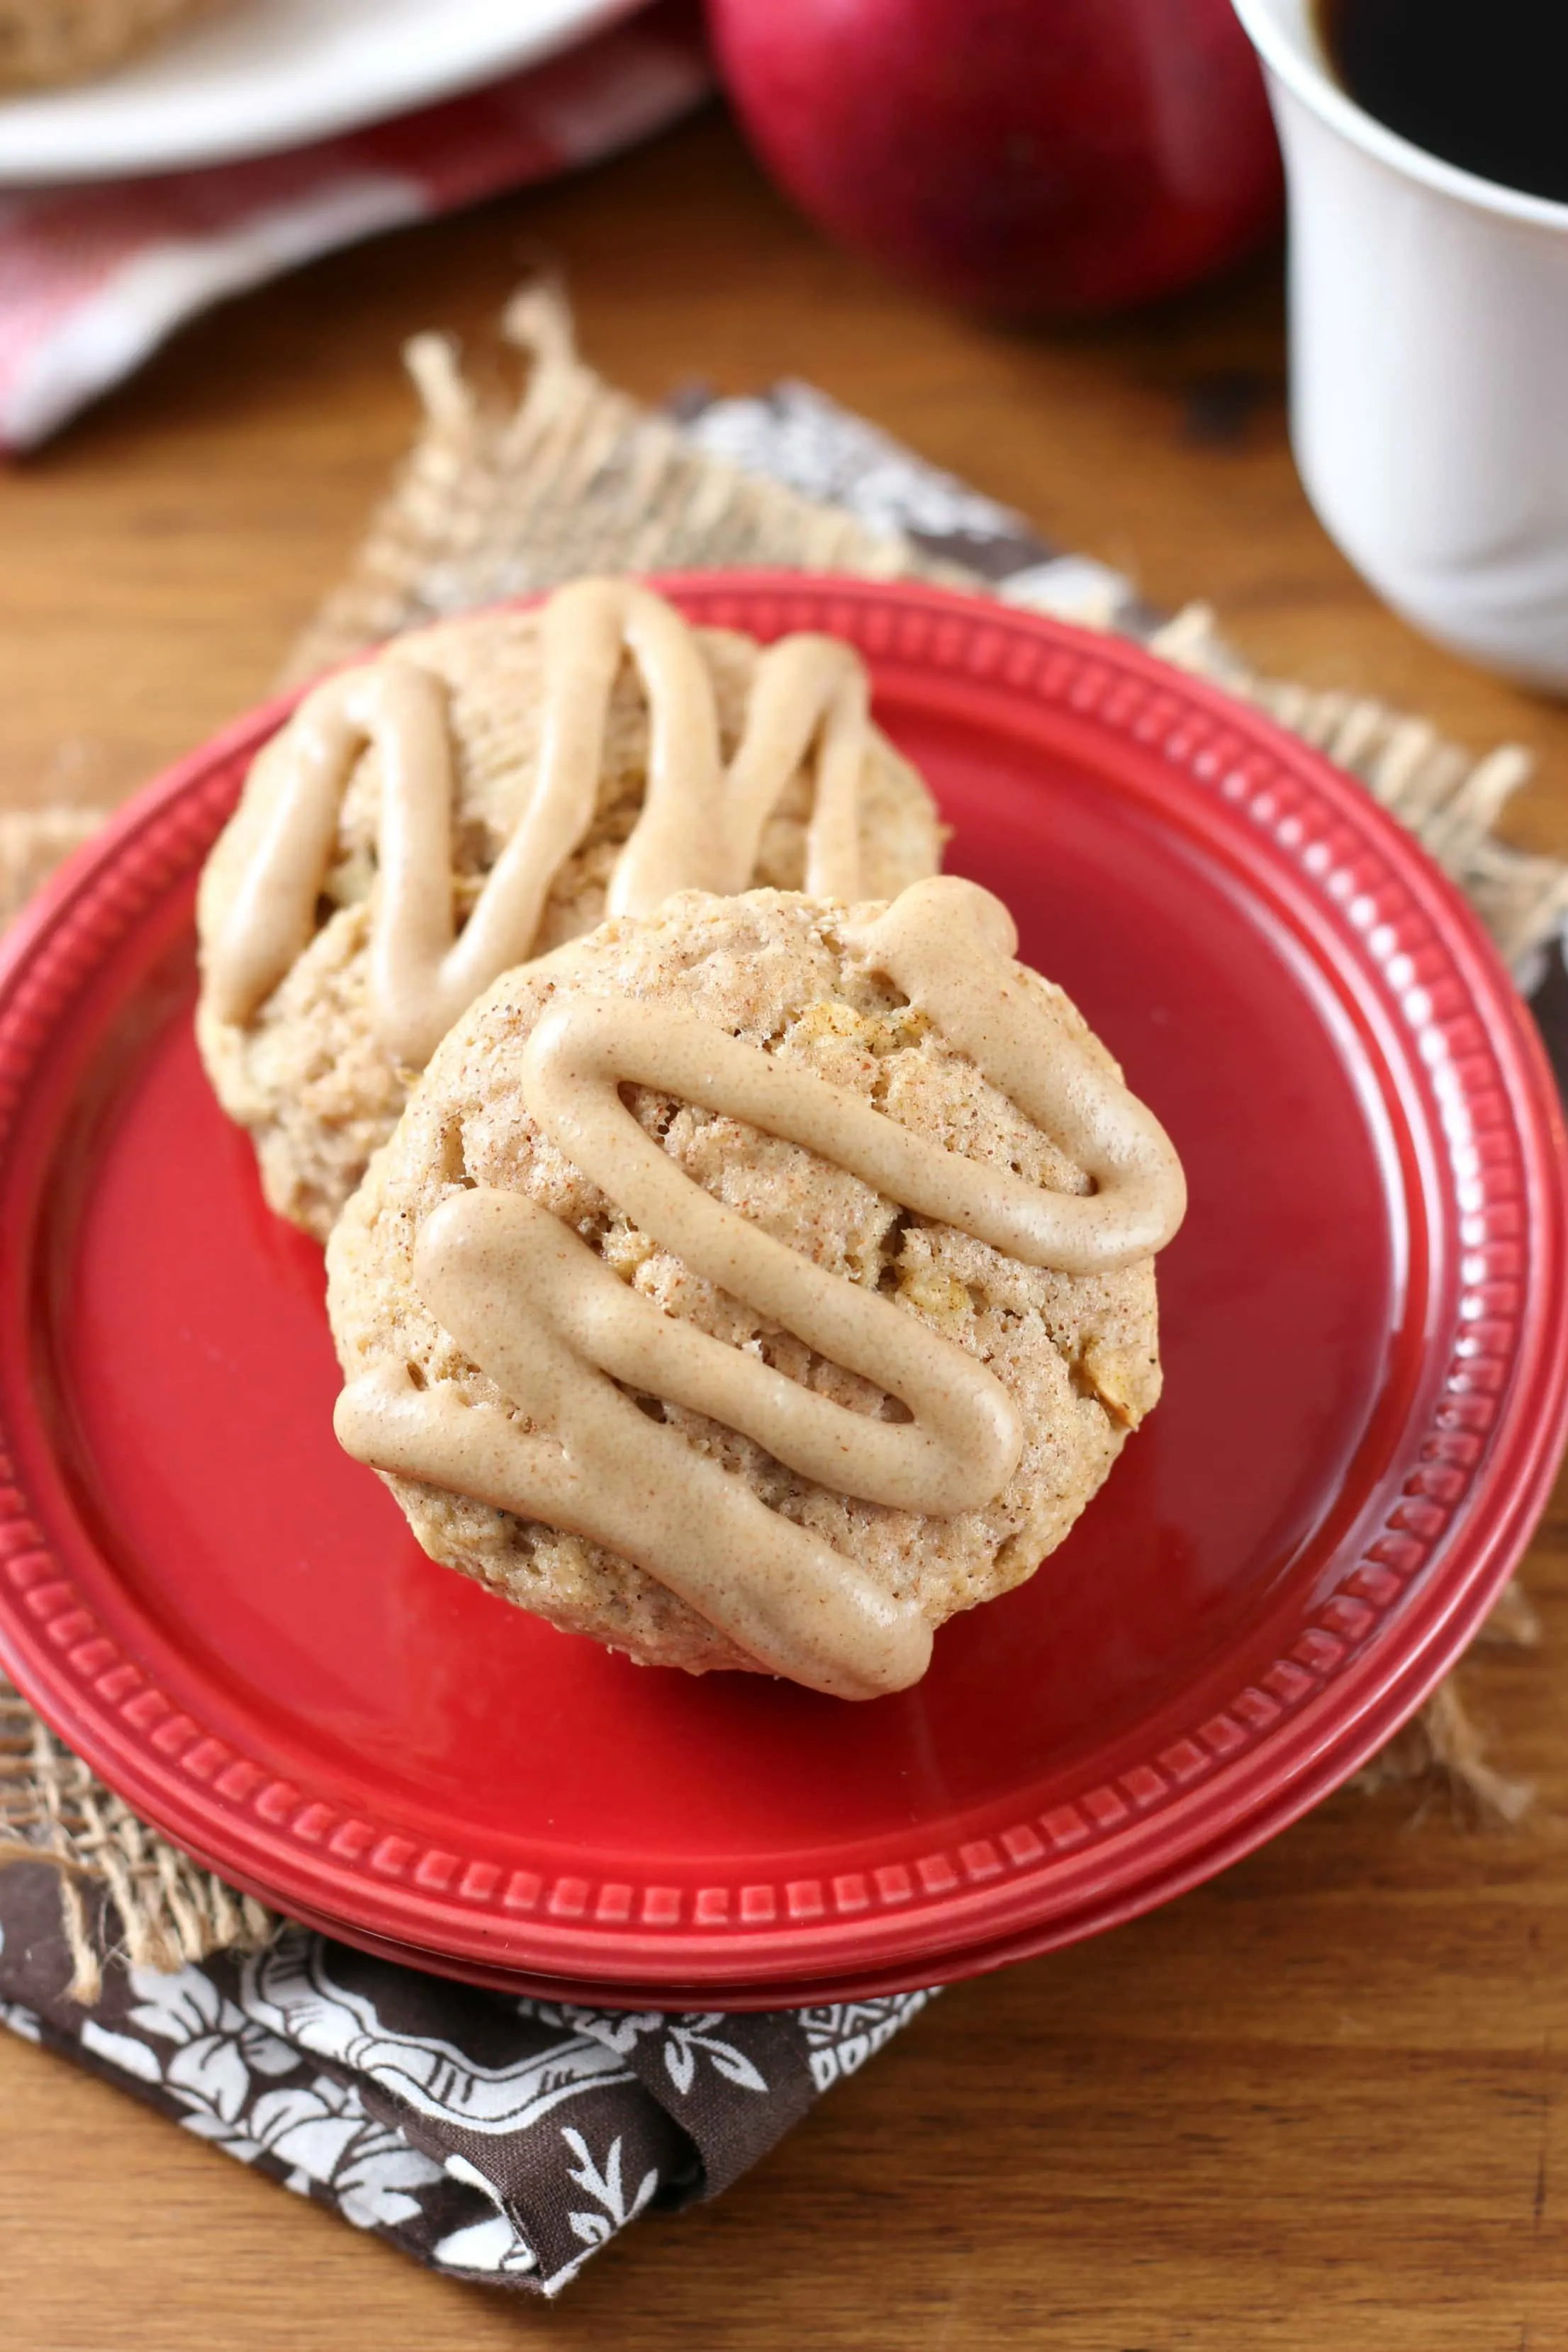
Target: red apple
1023, 157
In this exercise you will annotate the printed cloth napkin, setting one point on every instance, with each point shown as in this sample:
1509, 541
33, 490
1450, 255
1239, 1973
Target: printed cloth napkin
497, 2138
491, 2137
94, 278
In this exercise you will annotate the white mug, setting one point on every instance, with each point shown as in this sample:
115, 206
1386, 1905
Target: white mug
1428, 366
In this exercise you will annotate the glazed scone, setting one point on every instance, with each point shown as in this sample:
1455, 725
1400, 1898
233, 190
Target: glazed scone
874, 1022
48, 41
308, 1067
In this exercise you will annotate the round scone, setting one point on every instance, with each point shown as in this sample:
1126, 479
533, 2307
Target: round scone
551, 719
759, 1283
45, 41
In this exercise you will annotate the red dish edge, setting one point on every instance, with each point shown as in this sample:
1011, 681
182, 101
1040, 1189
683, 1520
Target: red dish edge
1327, 1736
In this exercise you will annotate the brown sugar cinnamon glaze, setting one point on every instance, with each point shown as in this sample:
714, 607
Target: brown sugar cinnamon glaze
565, 1341
699, 830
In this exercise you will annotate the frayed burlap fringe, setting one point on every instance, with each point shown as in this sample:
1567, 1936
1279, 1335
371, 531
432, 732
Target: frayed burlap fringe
503, 494
500, 496
53, 1810
1442, 1750
1448, 799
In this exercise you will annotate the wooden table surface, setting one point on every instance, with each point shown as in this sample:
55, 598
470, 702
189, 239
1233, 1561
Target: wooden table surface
1318, 2104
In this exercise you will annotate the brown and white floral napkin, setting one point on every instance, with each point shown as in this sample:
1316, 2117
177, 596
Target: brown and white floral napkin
489, 2137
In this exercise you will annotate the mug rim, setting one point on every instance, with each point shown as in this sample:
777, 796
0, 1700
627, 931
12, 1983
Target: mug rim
1297, 65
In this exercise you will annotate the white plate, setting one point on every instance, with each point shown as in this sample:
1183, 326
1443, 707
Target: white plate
262, 75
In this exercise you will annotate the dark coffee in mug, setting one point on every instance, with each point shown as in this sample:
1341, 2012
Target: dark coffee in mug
1482, 83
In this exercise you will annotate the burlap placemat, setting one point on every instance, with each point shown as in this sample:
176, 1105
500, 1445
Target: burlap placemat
508, 490
503, 494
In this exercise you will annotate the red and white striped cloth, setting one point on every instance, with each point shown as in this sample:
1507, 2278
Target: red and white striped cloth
92, 279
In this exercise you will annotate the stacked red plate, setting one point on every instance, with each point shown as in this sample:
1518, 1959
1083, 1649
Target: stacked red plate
1366, 1357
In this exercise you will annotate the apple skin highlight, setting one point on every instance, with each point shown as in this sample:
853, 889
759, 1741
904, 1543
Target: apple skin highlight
1021, 158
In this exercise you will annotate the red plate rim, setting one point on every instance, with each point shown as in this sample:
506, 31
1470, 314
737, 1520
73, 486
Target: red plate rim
1431, 978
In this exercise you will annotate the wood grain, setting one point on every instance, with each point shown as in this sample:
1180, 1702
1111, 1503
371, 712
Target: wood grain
1316, 2106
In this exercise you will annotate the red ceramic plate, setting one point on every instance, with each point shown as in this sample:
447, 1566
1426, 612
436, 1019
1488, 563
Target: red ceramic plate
1365, 1369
